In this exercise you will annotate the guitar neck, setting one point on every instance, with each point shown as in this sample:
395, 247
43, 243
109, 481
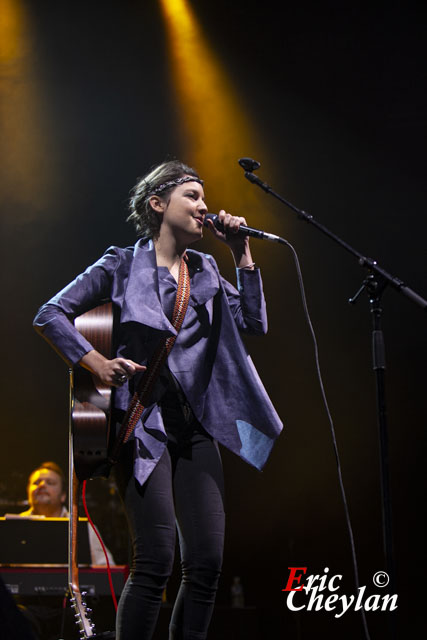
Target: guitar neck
86, 627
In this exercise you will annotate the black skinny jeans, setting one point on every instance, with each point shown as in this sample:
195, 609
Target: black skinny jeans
184, 491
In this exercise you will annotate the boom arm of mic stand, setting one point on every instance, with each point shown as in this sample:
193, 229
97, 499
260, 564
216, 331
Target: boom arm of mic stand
369, 263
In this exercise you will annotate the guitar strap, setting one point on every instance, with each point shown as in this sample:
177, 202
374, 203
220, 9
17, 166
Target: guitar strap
150, 375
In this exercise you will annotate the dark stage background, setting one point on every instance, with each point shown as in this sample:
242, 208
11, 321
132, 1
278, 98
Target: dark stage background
333, 97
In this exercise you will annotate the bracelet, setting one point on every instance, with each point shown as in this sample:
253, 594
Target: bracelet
248, 266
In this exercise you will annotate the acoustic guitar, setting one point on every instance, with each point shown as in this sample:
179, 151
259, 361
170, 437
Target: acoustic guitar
89, 431
90, 399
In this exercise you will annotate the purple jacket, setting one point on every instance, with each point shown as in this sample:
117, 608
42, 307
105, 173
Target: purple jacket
209, 358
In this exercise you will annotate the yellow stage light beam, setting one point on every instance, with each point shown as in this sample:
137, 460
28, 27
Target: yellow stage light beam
215, 128
25, 163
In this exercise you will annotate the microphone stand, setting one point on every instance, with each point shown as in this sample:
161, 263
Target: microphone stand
374, 284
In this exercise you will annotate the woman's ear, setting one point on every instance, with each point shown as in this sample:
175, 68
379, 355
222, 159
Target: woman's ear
157, 204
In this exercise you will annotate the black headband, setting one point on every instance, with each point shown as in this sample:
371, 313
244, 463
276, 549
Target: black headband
174, 183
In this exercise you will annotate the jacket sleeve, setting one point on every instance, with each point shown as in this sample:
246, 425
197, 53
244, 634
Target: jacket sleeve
247, 302
54, 320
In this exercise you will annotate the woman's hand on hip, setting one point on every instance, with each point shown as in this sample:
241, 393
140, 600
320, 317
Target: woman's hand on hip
113, 373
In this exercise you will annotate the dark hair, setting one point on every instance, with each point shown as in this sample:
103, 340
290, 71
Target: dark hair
143, 216
52, 466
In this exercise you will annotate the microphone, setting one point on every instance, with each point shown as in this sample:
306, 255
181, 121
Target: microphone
249, 165
243, 229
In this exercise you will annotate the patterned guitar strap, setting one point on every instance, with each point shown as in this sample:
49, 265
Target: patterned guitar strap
150, 375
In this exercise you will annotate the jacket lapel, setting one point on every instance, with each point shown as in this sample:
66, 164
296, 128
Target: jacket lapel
141, 301
204, 281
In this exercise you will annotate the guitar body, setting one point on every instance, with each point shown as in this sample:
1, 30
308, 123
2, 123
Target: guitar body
90, 399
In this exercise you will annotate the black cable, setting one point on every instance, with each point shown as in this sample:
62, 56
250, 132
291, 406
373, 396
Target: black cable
331, 423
